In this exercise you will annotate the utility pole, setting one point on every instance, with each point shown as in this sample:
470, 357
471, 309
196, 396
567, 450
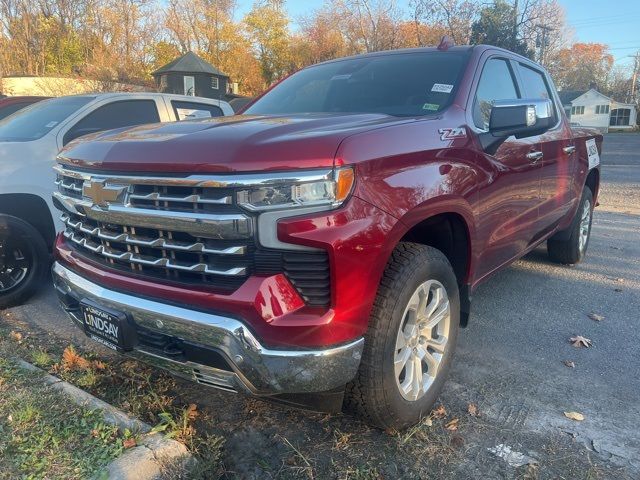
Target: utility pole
543, 42
634, 77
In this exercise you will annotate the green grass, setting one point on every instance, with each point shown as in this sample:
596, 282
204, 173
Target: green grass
44, 435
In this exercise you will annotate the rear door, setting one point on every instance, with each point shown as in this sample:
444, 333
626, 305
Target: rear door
556, 145
508, 202
193, 110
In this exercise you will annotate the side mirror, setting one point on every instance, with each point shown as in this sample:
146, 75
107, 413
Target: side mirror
520, 118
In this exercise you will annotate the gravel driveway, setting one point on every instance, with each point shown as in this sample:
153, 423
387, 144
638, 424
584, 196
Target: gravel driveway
510, 363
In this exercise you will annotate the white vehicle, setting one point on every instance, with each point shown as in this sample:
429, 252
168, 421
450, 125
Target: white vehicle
29, 142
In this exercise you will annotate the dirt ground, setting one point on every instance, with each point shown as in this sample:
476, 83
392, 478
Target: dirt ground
510, 365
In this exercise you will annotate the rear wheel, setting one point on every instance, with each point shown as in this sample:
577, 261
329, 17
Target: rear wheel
411, 338
570, 246
23, 260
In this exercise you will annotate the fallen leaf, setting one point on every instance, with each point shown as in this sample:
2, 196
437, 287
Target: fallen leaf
129, 442
439, 412
71, 360
15, 336
472, 408
95, 433
452, 426
579, 341
427, 422
192, 411
595, 317
569, 363
574, 416
99, 365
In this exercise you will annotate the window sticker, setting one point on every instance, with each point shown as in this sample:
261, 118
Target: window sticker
430, 106
192, 114
592, 152
344, 76
442, 88
51, 124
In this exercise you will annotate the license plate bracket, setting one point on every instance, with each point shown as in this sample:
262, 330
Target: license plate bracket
112, 328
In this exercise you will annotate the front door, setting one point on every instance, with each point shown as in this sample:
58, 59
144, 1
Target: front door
189, 85
509, 196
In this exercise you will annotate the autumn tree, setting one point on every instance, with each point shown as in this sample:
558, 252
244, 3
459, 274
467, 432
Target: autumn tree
368, 25
268, 26
318, 39
582, 66
454, 17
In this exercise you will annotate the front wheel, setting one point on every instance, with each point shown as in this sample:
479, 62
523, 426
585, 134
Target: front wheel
24, 259
570, 245
410, 341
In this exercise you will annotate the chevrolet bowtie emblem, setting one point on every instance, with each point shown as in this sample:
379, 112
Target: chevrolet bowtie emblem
102, 194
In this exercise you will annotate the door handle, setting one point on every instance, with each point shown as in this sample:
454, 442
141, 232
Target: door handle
535, 156
569, 150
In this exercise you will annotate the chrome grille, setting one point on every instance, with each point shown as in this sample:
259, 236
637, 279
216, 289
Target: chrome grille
181, 232
187, 229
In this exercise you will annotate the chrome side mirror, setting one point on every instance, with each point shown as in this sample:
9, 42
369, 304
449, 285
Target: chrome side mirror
521, 117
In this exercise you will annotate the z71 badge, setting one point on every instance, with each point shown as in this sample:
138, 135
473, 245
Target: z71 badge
452, 133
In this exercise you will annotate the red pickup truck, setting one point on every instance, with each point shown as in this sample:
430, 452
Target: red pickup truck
325, 244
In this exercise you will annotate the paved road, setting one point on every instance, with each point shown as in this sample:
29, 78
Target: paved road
510, 358
516, 343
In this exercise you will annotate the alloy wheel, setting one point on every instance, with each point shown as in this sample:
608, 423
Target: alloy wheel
422, 340
585, 226
14, 265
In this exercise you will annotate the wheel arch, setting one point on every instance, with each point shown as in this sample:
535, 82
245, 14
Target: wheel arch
593, 182
31, 209
451, 233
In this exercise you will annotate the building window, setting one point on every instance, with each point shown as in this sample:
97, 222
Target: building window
577, 110
215, 84
163, 82
620, 117
602, 109
189, 86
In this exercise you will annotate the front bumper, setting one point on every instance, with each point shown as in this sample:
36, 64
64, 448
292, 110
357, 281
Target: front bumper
211, 349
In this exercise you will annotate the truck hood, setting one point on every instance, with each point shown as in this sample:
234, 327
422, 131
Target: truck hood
226, 144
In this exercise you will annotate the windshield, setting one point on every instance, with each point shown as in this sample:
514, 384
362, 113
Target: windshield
408, 84
39, 119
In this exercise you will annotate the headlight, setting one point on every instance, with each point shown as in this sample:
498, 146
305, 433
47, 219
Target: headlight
308, 189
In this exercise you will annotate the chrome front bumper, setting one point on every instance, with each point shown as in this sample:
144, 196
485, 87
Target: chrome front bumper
249, 367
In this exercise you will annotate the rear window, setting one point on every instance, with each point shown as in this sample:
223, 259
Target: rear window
407, 84
13, 108
35, 121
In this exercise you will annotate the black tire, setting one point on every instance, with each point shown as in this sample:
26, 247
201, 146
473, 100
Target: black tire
564, 247
374, 394
22, 248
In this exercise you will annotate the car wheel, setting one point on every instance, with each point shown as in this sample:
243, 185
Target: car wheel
570, 246
24, 259
410, 340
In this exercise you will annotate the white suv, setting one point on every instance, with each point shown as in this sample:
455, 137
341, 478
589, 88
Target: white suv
29, 142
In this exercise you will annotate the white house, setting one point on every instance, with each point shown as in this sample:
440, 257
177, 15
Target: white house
593, 109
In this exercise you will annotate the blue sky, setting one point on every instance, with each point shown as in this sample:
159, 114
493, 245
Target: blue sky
614, 22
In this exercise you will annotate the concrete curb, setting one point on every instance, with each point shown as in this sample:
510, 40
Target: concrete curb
147, 461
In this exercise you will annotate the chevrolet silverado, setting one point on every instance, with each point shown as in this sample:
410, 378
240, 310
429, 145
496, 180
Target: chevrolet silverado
326, 243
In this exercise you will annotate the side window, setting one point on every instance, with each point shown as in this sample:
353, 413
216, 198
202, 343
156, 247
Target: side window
496, 83
194, 110
125, 113
535, 85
